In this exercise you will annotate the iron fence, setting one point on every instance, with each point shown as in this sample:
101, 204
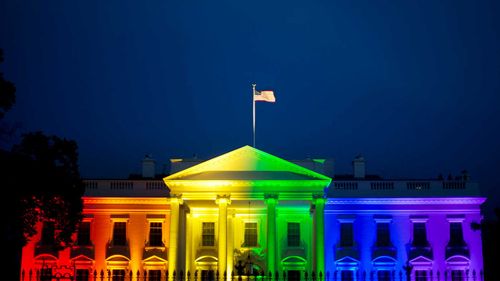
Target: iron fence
164, 275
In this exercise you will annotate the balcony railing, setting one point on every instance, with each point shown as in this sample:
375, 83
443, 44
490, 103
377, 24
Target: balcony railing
299, 250
161, 252
424, 251
87, 251
401, 188
457, 250
46, 249
389, 251
150, 188
123, 250
338, 188
341, 252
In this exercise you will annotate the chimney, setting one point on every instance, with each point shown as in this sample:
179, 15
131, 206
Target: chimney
148, 167
358, 166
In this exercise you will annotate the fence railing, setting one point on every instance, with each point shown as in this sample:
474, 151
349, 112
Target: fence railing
407, 274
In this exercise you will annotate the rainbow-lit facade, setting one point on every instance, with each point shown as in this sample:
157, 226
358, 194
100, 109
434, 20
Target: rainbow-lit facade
249, 213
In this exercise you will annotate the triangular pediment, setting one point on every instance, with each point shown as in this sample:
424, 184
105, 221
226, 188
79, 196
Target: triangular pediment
246, 169
243, 161
81, 259
154, 259
421, 260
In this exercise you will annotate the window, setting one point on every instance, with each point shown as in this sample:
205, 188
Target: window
46, 274
120, 234
293, 234
346, 239
456, 234
154, 275
383, 275
420, 275
208, 234
383, 235
82, 275
155, 234
48, 233
347, 275
457, 275
251, 234
84, 234
118, 275
419, 234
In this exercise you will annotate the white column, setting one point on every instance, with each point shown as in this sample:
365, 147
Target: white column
271, 201
319, 231
174, 231
222, 201
189, 244
230, 245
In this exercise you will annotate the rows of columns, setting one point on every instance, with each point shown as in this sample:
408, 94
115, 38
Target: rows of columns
223, 201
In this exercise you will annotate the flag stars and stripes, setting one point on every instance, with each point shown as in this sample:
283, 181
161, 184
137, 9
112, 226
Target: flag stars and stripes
266, 95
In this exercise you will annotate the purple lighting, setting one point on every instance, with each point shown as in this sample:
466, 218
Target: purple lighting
389, 238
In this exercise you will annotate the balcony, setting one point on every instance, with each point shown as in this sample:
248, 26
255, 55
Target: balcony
83, 250
457, 250
122, 250
207, 252
342, 252
299, 251
48, 249
417, 251
161, 252
388, 251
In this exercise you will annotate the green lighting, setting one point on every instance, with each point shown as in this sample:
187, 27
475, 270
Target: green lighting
248, 174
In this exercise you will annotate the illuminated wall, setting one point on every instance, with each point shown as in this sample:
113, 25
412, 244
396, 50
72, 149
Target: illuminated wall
272, 216
103, 255
437, 259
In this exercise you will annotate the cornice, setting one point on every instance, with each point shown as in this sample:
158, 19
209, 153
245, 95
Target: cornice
407, 201
126, 200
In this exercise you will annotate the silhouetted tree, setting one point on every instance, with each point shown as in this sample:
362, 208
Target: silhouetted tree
47, 181
41, 183
490, 231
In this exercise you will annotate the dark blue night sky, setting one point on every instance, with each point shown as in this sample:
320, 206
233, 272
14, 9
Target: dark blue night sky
412, 85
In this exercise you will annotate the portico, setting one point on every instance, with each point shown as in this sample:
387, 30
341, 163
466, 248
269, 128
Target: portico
249, 206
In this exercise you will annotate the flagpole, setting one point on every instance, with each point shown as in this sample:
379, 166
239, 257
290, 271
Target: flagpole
253, 111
